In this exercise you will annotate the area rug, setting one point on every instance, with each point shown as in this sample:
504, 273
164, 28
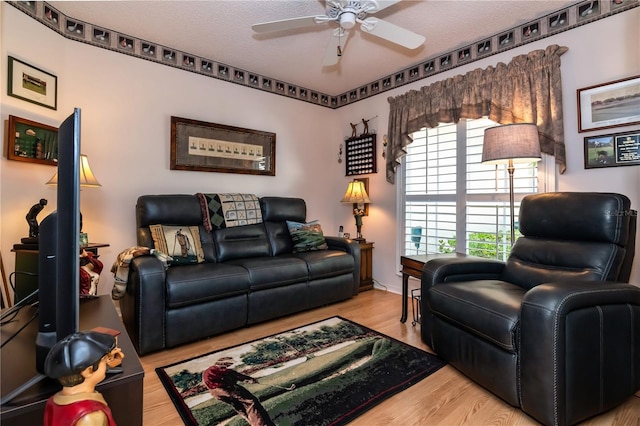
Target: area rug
325, 373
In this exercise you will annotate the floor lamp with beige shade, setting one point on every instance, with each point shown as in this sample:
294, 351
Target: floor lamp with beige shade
510, 144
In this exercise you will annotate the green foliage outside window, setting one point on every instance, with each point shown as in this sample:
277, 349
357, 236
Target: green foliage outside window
482, 244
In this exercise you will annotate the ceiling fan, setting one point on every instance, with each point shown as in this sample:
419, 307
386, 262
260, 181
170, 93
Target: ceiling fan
348, 13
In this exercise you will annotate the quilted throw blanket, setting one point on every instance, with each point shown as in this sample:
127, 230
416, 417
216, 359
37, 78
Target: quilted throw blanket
227, 210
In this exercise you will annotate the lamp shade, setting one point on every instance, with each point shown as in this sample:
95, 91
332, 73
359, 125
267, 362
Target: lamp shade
516, 142
356, 193
87, 179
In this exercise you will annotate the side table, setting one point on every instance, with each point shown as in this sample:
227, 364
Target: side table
366, 266
123, 391
412, 267
26, 267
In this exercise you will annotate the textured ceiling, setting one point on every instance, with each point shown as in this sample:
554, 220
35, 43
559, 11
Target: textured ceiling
221, 31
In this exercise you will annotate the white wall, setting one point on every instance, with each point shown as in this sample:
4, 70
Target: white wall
126, 108
599, 52
127, 103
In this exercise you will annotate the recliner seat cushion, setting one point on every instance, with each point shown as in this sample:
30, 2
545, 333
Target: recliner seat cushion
486, 308
187, 285
327, 263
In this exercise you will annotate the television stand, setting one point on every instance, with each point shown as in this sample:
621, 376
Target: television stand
122, 391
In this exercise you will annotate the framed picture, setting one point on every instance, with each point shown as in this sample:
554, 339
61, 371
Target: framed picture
32, 142
609, 105
210, 147
31, 84
619, 149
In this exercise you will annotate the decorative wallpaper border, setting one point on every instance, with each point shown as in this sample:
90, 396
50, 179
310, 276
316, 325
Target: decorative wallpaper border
576, 15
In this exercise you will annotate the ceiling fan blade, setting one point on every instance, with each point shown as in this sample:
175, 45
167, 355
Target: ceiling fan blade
383, 4
286, 24
392, 33
331, 53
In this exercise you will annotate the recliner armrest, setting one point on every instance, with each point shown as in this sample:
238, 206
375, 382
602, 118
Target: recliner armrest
450, 269
143, 305
571, 362
353, 248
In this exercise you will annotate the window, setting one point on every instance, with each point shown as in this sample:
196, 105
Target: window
454, 203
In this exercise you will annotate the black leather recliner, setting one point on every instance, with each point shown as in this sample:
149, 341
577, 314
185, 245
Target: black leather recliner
554, 330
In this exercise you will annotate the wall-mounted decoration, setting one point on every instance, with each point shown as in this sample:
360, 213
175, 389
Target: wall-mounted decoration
570, 17
32, 84
619, 149
32, 142
210, 147
360, 155
609, 105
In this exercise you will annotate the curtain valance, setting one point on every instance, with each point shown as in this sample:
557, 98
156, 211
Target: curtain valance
526, 90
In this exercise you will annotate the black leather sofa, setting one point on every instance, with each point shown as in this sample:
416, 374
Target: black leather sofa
554, 330
249, 274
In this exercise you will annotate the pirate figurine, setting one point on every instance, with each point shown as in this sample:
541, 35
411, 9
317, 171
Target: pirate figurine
79, 362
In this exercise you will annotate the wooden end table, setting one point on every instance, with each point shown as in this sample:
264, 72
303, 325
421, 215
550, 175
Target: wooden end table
366, 265
123, 391
412, 267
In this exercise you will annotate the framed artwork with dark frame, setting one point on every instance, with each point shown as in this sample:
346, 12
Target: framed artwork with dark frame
618, 149
608, 105
32, 142
32, 84
210, 147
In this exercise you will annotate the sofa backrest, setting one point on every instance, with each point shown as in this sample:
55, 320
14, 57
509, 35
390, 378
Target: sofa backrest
269, 238
572, 235
276, 211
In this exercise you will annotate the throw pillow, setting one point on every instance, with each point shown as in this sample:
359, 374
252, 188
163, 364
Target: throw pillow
306, 236
182, 243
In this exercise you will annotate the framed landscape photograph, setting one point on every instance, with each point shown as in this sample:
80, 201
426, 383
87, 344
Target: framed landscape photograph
31, 84
211, 147
31, 141
620, 149
609, 105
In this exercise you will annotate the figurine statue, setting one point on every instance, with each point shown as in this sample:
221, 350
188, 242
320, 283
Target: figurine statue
365, 131
354, 130
31, 218
79, 362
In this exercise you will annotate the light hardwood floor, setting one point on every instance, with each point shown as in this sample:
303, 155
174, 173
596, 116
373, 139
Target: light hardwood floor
444, 398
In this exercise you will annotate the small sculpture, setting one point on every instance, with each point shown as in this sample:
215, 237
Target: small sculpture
354, 129
79, 362
365, 131
32, 221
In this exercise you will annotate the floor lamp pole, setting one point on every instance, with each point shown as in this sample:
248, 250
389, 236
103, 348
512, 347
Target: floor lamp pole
511, 169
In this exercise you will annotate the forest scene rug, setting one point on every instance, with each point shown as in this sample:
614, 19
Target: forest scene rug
325, 373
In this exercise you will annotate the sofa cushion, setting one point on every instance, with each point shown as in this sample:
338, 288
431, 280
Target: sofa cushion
204, 282
271, 272
487, 308
182, 243
306, 236
327, 263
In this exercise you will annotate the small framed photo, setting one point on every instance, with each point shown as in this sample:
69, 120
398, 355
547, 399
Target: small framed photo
210, 147
609, 105
32, 84
619, 149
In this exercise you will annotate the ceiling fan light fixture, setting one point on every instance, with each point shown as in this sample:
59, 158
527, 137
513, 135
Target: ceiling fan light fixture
347, 20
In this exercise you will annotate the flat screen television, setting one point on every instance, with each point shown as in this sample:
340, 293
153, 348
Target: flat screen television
59, 248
